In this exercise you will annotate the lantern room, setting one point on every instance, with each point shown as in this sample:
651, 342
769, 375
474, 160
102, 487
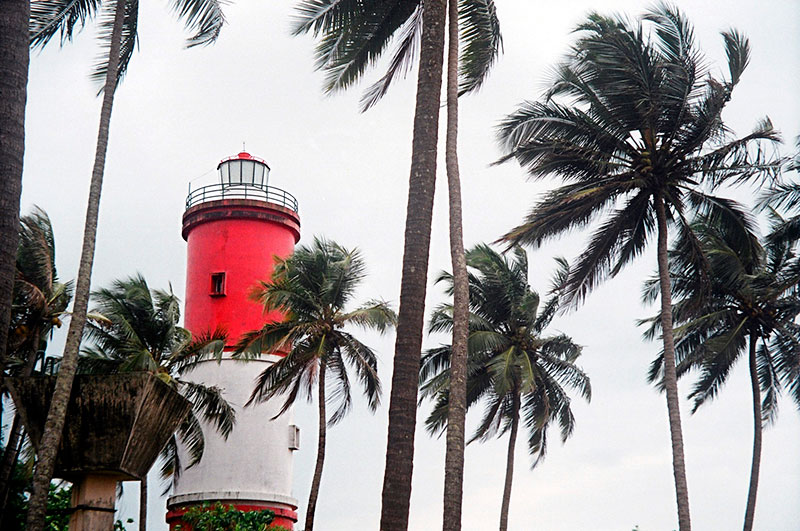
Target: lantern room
244, 169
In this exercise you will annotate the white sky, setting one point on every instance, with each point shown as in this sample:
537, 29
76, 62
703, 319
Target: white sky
178, 112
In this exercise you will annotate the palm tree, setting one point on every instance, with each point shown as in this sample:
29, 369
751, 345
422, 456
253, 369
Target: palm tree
752, 300
517, 373
632, 124
14, 58
39, 302
118, 33
482, 44
137, 330
352, 36
312, 288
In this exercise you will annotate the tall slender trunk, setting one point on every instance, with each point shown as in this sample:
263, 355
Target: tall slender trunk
512, 443
14, 58
323, 427
143, 504
58, 407
670, 372
408, 344
757, 429
10, 455
11, 452
17, 448
457, 404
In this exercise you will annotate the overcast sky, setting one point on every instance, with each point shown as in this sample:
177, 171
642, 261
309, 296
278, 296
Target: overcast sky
178, 112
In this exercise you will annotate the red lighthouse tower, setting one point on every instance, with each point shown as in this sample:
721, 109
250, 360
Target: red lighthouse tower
234, 230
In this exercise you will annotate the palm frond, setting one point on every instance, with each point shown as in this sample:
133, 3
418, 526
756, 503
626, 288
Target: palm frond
127, 46
203, 17
481, 42
66, 17
209, 402
405, 52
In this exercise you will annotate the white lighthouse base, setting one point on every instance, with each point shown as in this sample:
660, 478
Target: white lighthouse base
252, 468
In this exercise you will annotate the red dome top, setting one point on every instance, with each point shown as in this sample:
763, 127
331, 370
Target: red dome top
243, 155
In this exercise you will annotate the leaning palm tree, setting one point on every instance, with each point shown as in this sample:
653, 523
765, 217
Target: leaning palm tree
137, 330
118, 26
40, 301
632, 124
749, 307
312, 288
352, 36
513, 369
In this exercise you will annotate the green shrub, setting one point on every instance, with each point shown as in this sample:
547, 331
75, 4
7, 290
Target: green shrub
227, 518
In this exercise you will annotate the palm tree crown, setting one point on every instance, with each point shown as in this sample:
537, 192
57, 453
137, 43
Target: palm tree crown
313, 288
752, 295
353, 35
136, 329
517, 372
40, 300
632, 119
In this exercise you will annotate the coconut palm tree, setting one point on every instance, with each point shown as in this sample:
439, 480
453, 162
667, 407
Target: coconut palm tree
352, 36
14, 58
312, 288
482, 44
137, 330
118, 24
750, 307
40, 301
632, 124
513, 369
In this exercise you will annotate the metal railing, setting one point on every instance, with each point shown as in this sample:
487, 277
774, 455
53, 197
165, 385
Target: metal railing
214, 192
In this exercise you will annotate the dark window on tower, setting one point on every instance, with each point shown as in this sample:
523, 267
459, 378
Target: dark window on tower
217, 284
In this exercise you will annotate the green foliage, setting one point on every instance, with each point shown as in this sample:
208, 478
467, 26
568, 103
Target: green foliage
750, 297
40, 300
631, 119
313, 288
352, 36
58, 503
516, 371
221, 517
136, 329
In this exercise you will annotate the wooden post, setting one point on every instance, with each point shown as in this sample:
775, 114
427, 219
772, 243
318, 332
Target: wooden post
93, 502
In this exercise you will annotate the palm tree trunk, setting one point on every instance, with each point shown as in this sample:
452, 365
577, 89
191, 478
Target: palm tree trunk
143, 504
512, 442
11, 452
757, 428
58, 407
457, 404
14, 58
670, 372
9, 459
314, 494
405, 378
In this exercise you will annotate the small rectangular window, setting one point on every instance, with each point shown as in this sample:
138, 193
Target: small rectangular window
217, 284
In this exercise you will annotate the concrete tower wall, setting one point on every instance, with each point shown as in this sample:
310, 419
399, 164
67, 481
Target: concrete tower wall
238, 239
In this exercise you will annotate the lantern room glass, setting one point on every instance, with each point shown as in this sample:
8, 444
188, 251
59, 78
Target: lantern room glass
239, 172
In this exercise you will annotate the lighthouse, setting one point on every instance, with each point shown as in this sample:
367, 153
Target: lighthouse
234, 230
